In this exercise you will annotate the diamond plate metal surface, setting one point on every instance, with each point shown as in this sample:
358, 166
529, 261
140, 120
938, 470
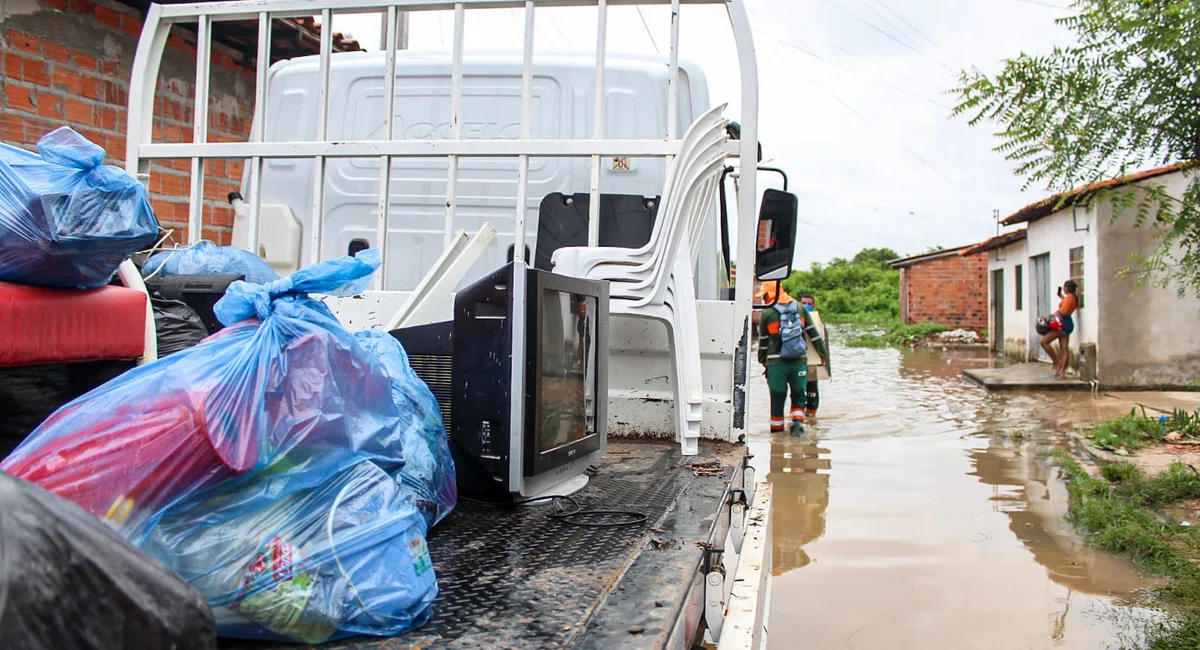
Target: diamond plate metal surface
514, 578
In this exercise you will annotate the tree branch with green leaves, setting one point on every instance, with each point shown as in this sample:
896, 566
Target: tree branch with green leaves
1126, 96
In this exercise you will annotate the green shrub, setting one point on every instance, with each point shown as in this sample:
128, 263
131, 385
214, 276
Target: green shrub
1112, 513
872, 341
861, 291
897, 335
912, 334
1130, 432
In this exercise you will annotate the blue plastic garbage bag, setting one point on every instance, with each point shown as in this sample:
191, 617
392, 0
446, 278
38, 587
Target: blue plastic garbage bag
428, 473
66, 219
206, 258
284, 379
279, 438
345, 558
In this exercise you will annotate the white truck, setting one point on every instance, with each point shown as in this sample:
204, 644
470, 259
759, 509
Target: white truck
397, 151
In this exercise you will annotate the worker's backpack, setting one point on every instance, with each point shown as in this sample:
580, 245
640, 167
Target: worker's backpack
791, 332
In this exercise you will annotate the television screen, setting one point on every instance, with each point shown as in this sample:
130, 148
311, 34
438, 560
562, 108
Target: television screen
567, 370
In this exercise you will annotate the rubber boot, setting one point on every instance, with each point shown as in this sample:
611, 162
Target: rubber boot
797, 428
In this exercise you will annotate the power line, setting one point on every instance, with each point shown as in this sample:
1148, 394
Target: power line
885, 33
886, 20
903, 147
914, 212
648, 33
807, 48
913, 27
554, 21
847, 68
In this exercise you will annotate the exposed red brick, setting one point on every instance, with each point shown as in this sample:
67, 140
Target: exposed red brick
12, 65
47, 83
108, 17
67, 80
90, 87
60, 5
34, 71
56, 52
78, 112
85, 61
19, 98
131, 25
222, 217
11, 127
949, 291
179, 45
83, 7
25, 42
108, 119
49, 106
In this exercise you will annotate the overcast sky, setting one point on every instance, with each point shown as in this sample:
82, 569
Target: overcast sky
853, 101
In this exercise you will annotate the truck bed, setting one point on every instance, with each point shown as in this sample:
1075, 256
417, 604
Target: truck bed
513, 578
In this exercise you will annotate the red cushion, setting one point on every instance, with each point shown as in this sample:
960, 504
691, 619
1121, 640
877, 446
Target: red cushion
57, 325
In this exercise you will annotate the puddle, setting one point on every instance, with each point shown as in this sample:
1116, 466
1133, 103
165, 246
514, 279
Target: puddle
921, 512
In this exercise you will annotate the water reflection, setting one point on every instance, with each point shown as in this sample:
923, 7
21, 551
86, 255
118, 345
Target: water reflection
801, 495
921, 512
1026, 489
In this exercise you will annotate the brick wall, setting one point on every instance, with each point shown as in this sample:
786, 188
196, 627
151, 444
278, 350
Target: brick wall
949, 291
67, 62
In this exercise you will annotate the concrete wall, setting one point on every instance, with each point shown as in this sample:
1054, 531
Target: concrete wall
67, 62
1057, 234
1150, 337
1016, 322
949, 290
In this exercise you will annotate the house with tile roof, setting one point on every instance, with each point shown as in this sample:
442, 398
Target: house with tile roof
1126, 335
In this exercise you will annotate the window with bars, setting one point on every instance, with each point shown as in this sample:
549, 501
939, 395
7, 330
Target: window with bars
1076, 273
1019, 281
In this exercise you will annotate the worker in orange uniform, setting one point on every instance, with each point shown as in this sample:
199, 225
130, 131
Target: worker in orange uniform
785, 332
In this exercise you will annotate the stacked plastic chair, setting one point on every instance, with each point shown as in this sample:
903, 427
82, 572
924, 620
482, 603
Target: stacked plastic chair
655, 281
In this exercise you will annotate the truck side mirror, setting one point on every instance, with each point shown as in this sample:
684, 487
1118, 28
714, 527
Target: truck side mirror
776, 235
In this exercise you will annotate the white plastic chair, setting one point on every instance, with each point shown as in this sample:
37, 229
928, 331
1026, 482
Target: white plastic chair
708, 128
655, 281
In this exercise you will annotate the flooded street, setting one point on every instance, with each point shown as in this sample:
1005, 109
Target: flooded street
921, 512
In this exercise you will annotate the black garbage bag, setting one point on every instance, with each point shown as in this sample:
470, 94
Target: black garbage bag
177, 325
67, 581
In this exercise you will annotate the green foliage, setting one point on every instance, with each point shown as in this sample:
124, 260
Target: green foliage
879, 256
867, 340
1135, 430
1112, 512
1130, 432
860, 291
912, 334
899, 335
1124, 98
1186, 424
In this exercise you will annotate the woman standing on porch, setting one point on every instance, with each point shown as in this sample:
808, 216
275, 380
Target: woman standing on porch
1066, 307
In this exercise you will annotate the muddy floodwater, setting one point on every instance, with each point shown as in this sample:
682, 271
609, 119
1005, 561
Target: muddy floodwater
920, 512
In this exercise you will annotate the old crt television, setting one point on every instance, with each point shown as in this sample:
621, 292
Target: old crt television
521, 375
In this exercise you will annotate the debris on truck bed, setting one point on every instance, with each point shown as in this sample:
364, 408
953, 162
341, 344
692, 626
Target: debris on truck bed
514, 578
268, 466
